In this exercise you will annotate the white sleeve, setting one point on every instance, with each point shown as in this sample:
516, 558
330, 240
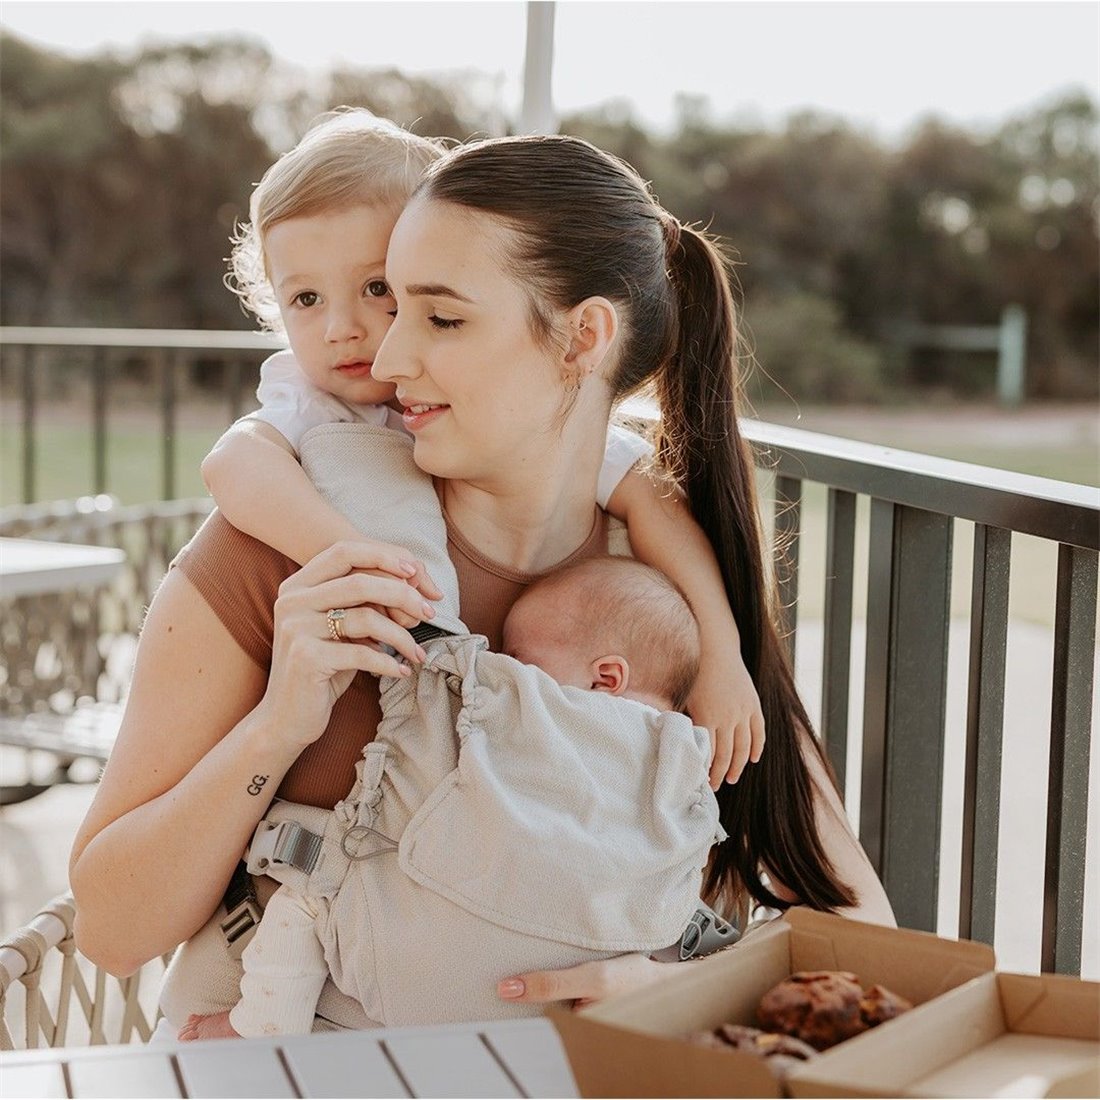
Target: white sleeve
624, 449
284, 969
292, 404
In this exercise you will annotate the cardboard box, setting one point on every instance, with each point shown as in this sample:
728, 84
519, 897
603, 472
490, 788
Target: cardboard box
999, 1035
633, 1045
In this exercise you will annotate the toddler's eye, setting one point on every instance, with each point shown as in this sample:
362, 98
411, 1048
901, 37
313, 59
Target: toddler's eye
378, 288
307, 298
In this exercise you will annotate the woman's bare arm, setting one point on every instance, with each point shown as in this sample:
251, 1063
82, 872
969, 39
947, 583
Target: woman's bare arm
174, 809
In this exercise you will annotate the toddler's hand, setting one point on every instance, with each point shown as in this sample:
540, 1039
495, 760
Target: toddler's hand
724, 700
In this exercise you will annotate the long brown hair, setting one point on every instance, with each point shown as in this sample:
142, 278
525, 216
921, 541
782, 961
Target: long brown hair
586, 225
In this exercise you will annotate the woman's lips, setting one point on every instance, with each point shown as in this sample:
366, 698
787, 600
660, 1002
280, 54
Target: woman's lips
417, 417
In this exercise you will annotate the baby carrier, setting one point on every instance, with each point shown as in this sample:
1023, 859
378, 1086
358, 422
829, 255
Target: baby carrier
498, 822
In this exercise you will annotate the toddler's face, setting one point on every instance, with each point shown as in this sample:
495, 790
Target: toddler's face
328, 271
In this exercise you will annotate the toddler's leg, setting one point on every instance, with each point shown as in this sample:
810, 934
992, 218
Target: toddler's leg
215, 1026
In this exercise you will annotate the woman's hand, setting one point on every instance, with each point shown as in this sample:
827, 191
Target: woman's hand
585, 983
724, 701
310, 670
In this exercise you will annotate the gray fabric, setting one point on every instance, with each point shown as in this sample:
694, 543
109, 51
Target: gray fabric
368, 473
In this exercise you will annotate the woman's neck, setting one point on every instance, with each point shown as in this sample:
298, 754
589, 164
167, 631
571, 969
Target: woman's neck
530, 529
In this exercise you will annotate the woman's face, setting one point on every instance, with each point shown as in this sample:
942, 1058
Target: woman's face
481, 394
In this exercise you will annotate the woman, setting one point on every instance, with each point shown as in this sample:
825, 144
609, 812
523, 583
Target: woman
537, 282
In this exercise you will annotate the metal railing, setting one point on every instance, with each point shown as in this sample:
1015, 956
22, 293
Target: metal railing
912, 503
171, 353
914, 500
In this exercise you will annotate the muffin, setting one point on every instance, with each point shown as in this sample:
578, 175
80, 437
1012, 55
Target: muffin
825, 1007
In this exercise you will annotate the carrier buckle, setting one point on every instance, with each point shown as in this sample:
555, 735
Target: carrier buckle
705, 933
286, 842
239, 926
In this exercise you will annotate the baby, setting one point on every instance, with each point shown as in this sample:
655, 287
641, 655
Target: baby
609, 625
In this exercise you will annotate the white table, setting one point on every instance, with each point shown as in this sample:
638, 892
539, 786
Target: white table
513, 1058
29, 567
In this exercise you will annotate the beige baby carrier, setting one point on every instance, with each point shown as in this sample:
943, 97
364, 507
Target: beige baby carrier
498, 822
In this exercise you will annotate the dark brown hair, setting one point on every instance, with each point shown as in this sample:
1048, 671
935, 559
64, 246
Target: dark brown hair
586, 225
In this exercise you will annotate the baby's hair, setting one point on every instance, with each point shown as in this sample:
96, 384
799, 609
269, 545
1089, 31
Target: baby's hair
349, 157
642, 613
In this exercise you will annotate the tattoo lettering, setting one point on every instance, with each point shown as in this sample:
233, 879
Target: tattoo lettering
257, 784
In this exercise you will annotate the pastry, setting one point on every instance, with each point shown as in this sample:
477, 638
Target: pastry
825, 1007
782, 1053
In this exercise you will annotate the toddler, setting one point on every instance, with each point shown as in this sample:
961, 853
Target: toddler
312, 263
609, 625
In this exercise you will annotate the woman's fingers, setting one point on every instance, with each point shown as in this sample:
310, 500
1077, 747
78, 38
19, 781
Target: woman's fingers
343, 557
359, 590
370, 624
591, 981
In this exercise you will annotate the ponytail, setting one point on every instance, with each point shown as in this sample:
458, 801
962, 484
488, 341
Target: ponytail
769, 812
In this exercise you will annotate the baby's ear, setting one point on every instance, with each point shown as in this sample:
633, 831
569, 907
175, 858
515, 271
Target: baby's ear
610, 674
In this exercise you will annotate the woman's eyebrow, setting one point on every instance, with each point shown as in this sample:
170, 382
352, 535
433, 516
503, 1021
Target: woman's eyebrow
435, 290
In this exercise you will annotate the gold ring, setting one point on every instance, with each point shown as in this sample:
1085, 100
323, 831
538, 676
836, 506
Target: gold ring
336, 619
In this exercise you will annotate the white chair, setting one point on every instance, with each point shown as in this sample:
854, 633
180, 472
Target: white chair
66, 1000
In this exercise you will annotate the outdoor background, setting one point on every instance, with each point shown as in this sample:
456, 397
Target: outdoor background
871, 166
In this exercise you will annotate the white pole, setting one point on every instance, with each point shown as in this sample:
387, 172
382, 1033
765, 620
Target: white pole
537, 113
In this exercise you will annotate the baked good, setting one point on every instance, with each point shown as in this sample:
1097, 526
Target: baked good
782, 1053
879, 1004
825, 1007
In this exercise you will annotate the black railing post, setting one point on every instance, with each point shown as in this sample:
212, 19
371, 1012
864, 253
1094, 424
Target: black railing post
907, 652
1068, 786
30, 360
984, 726
169, 360
837, 643
99, 419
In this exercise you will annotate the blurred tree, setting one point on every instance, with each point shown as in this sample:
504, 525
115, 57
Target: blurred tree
123, 178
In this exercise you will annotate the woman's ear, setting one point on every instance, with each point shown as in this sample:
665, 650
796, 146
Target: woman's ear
610, 674
592, 326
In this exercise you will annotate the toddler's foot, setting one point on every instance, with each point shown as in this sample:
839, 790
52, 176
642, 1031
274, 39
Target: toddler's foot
215, 1026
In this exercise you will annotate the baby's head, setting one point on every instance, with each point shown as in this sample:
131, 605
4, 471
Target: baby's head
311, 261
609, 624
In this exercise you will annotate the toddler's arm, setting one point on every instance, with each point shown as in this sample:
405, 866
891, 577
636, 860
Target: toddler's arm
254, 476
663, 533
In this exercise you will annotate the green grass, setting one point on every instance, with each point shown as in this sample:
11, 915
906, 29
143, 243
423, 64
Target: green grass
64, 464
135, 474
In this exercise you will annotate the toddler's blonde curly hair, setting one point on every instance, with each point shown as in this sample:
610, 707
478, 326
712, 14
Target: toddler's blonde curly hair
348, 157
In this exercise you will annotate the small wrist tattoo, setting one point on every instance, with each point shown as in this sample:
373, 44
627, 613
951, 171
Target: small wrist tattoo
257, 784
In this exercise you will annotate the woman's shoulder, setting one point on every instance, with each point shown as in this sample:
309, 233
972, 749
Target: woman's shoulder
239, 577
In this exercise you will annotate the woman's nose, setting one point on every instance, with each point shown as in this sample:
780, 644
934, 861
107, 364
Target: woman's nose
394, 359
